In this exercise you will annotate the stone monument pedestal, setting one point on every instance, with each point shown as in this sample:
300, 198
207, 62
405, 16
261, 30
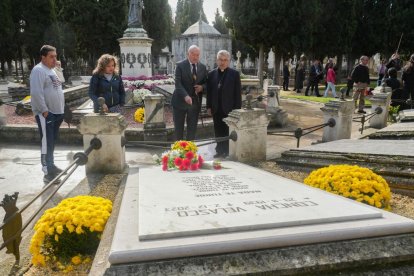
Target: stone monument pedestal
136, 59
278, 117
154, 125
341, 112
109, 129
251, 128
382, 99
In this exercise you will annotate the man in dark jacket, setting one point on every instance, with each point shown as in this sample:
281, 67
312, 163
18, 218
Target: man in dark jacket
315, 75
223, 95
190, 82
360, 77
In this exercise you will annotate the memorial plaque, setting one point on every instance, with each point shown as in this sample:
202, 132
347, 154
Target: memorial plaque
236, 198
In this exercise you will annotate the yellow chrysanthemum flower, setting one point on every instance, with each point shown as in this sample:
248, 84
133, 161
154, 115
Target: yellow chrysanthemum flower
354, 182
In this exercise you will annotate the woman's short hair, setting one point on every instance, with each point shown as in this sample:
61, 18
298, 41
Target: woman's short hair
103, 61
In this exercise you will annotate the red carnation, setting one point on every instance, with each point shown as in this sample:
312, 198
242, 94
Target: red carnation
181, 168
186, 163
183, 144
164, 167
178, 161
189, 155
165, 159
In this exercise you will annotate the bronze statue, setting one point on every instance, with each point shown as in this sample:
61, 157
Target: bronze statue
135, 14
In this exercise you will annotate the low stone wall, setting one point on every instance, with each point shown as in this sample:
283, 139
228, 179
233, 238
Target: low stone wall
29, 134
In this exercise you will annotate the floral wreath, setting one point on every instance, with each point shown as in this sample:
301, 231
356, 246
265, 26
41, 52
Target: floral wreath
142, 59
131, 59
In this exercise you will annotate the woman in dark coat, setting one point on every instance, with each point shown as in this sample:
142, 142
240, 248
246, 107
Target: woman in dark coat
107, 83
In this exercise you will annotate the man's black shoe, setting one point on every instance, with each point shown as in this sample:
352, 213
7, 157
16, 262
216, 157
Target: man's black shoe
362, 112
49, 177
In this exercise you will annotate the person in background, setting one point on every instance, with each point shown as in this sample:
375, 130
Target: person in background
223, 96
325, 70
392, 80
300, 76
408, 78
47, 103
107, 83
394, 62
59, 72
330, 78
381, 72
286, 75
315, 75
190, 82
360, 77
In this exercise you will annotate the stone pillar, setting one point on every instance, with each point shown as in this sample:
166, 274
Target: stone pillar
273, 101
341, 112
381, 98
136, 59
277, 116
251, 129
110, 130
154, 125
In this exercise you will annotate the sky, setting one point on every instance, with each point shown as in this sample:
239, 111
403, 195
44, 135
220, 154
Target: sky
209, 7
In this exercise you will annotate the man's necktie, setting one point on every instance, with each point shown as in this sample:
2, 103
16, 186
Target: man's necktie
194, 72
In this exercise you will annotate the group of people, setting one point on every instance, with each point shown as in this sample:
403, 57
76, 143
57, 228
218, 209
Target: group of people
222, 87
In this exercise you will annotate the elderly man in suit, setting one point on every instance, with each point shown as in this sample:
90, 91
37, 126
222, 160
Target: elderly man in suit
190, 82
223, 95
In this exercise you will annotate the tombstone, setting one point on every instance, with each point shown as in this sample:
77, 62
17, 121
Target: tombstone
238, 64
341, 112
110, 129
136, 59
251, 128
216, 217
154, 124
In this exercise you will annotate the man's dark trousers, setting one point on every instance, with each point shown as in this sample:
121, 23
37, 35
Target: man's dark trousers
221, 129
49, 130
191, 116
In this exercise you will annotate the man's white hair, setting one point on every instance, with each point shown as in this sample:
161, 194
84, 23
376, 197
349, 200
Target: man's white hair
223, 53
192, 48
363, 57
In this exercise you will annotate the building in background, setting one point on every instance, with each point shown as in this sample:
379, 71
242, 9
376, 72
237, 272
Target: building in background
204, 36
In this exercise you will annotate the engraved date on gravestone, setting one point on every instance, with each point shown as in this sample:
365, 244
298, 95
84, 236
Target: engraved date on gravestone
217, 185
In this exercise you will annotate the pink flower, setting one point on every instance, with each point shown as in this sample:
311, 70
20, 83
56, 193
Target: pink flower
164, 167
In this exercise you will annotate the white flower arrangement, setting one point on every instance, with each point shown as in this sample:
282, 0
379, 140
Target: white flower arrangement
139, 95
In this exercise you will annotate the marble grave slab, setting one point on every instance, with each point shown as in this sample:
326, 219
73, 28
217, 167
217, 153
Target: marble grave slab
171, 214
